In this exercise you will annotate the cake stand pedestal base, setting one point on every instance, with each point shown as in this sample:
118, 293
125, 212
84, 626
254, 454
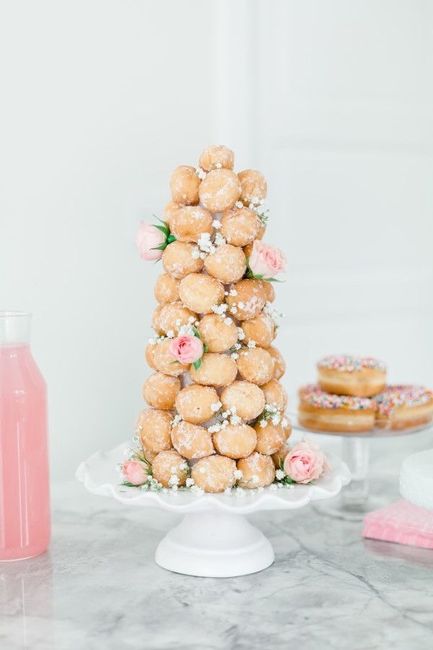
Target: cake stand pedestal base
214, 544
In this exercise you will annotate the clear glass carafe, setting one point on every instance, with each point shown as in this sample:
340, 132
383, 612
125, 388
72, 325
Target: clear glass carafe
24, 470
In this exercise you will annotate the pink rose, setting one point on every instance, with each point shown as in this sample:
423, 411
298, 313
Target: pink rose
148, 238
305, 462
266, 260
134, 472
186, 349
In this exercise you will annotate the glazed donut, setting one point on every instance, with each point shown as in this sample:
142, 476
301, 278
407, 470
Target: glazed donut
154, 430
220, 190
169, 211
156, 325
404, 407
197, 404
214, 473
215, 370
260, 329
334, 413
189, 222
216, 333
253, 186
169, 468
348, 375
275, 395
268, 290
160, 390
201, 292
166, 289
164, 361
184, 185
257, 471
262, 230
235, 440
246, 398
227, 264
178, 259
280, 455
173, 315
255, 365
240, 226
279, 363
191, 441
246, 299
150, 355
271, 438
215, 157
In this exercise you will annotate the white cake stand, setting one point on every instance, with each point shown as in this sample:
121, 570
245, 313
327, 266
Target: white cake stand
214, 538
355, 501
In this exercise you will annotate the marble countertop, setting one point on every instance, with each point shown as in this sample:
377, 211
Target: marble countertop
98, 587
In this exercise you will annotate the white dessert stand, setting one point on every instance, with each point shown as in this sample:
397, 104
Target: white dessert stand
214, 538
355, 501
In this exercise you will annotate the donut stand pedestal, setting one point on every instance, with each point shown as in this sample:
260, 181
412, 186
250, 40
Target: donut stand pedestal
355, 500
214, 538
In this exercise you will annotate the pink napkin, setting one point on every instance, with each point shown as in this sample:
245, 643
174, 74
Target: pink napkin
402, 523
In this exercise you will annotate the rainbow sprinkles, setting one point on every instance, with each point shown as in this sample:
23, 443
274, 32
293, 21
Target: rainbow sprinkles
402, 395
349, 363
313, 395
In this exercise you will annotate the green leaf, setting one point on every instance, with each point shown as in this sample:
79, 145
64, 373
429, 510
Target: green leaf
205, 347
160, 220
197, 364
163, 229
170, 238
196, 332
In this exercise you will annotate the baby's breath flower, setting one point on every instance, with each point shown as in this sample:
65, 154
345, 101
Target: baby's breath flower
200, 173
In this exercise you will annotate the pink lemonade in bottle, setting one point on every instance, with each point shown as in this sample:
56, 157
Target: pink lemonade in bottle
24, 472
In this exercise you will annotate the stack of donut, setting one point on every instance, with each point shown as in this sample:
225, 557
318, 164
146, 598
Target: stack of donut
351, 396
218, 423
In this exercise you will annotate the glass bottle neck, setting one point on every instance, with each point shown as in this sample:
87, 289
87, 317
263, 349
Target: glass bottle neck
14, 328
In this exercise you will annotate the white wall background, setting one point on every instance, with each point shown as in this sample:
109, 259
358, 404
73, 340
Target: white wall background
101, 99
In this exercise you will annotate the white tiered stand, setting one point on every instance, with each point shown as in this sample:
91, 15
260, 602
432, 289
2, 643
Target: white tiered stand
355, 500
214, 538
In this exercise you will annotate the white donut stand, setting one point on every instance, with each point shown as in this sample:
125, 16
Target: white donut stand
214, 538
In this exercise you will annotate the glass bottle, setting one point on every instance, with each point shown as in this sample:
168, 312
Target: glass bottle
24, 471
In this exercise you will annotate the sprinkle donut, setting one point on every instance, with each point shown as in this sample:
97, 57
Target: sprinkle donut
404, 407
334, 413
345, 374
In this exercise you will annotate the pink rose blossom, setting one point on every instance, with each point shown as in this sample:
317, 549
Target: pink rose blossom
266, 260
147, 239
134, 472
305, 462
186, 349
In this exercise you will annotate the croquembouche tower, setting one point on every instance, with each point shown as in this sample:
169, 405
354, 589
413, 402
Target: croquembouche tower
215, 414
